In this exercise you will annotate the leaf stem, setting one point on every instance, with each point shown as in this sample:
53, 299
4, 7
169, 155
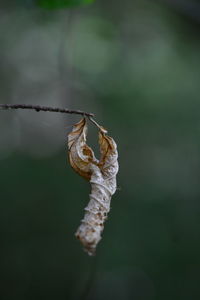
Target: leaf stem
95, 123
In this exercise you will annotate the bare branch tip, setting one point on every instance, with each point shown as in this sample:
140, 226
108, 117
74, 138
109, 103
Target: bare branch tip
38, 108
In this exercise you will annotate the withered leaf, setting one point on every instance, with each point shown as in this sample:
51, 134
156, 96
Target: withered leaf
80, 154
102, 175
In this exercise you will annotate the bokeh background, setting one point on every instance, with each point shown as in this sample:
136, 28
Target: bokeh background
136, 65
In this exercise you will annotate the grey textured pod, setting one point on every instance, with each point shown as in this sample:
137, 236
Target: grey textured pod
102, 176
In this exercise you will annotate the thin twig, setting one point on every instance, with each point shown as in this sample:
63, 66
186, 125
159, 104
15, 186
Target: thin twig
44, 108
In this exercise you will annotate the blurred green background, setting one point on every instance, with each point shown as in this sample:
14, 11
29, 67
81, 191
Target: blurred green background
136, 65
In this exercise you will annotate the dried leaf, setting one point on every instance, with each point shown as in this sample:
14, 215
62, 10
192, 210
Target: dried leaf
80, 154
102, 176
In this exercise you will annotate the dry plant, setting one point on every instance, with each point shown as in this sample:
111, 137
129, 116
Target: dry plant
102, 176
100, 173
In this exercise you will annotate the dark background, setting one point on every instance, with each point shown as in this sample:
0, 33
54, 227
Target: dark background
136, 65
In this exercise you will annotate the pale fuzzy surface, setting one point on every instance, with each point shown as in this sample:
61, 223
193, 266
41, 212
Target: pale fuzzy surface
103, 185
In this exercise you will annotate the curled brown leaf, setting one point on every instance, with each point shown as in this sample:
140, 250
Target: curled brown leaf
102, 176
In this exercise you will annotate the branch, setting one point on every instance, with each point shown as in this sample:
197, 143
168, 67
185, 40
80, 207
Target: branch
44, 108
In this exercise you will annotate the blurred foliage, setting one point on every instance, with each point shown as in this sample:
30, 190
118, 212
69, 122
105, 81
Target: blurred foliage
136, 65
57, 4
